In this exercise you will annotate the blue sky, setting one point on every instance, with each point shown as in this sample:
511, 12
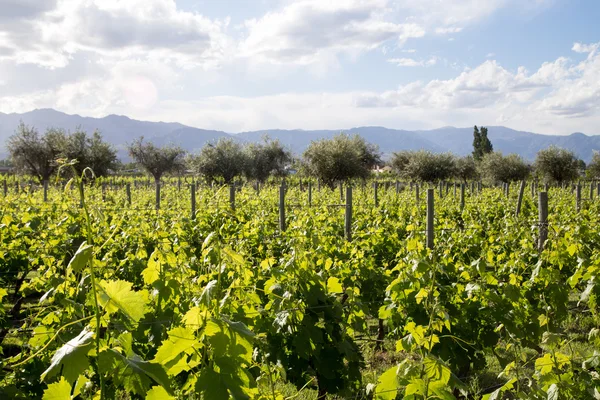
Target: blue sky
245, 65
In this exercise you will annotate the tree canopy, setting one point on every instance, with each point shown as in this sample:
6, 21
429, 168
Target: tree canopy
341, 158
157, 161
426, 166
494, 168
481, 143
36, 154
224, 160
266, 159
557, 165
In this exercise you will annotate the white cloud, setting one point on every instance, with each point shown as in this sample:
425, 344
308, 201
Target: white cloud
51, 35
410, 62
303, 31
585, 48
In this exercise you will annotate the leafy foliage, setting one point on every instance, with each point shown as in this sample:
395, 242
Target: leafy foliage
426, 166
341, 158
494, 168
223, 160
481, 143
34, 154
157, 161
557, 165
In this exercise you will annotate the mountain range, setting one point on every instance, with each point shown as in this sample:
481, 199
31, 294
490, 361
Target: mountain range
120, 130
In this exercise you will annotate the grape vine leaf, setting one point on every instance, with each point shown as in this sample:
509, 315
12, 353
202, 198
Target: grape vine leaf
158, 393
81, 257
71, 357
334, 285
60, 390
117, 295
134, 373
180, 340
152, 271
387, 385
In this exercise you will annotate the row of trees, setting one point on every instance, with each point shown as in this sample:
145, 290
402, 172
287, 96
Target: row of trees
340, 158
36, 154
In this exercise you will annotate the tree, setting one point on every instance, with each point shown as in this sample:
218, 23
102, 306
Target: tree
400, 160
34, 154
466, 169
90, 152
494, 168
341, 158
593, 168
265, 159
157, 161
481, 143
557, 165
426, 166
224, 159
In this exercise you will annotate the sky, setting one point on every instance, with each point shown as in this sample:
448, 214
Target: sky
244, 65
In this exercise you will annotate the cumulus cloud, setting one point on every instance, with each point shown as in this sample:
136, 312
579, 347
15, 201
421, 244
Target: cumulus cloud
303, 31
559, 88
51, 34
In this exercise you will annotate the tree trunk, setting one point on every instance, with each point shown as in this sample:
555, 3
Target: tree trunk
380, 335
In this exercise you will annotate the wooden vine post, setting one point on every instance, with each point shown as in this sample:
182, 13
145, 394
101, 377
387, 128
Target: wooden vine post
282, 208
542, 219
193, 199
520, 199
348, 216
430, 215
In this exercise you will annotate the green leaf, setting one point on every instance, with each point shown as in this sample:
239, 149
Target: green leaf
135, 374
158, 393
71, 358
544, 364
239, 327
387, 385
116, 296
3, 293
152, 272
60, 390
194, 318
180, 340
81, 257
436, 371
415, 387
334, 285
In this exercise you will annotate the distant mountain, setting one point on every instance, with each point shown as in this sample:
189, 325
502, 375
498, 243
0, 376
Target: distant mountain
121, 130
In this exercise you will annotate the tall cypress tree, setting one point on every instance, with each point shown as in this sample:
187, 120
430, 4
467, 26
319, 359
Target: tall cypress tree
486, 145
477, 144
481, 143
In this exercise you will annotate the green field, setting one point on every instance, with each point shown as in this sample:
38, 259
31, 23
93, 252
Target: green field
111, 298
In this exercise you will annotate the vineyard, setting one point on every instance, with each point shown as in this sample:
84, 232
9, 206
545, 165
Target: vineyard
298, 292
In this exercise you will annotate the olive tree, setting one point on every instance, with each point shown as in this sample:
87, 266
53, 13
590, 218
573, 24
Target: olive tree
224, 159
265, 159
340, 158
466, 169
593, 168
557, 165
90, 152
426, 166
157, 161
36, 154
494, 168
400, 160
